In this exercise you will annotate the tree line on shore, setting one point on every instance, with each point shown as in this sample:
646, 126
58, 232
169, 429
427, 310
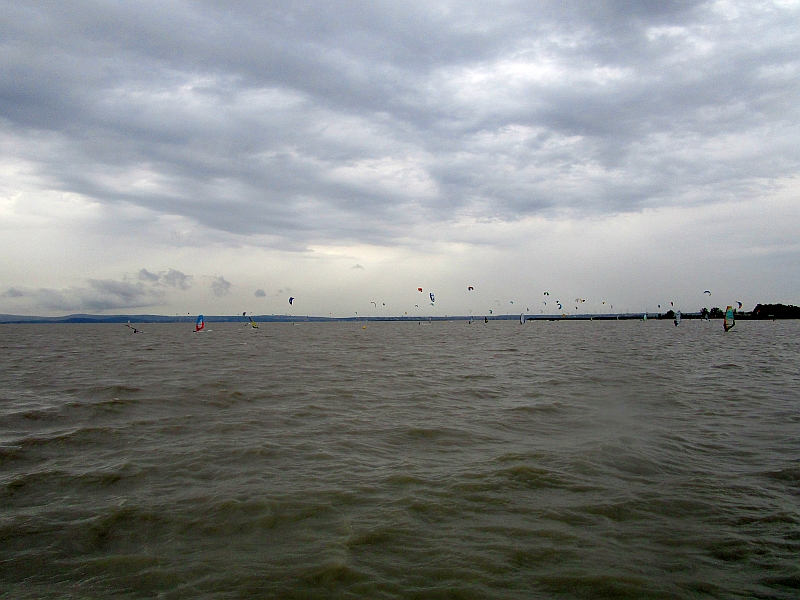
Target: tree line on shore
761, 311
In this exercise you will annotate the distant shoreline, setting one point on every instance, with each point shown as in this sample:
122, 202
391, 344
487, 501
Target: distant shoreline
121, 319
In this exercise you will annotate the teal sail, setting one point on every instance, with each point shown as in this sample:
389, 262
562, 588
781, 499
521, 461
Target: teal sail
730, 321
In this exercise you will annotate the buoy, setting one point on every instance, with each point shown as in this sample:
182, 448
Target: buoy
364, 327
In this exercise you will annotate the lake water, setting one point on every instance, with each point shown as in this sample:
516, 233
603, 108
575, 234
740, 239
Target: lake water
577, 459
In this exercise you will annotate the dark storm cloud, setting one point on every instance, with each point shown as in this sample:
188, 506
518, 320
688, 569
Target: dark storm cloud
356, 120
259, 293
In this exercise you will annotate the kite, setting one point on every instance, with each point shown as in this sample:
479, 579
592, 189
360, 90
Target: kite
291, 299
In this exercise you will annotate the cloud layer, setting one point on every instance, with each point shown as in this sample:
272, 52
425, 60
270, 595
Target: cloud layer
353, 120
96, 296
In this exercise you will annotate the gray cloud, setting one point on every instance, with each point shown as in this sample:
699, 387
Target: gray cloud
357, 267
172, 278
13, 293
259, 293
97, 296
177, 279
220, 286
146, 275
358, 121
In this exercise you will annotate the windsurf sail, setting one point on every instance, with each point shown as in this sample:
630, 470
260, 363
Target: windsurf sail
253, 323
201, 324
729, 321
677, 320
521, 318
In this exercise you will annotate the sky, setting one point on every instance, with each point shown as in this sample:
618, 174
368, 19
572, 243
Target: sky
195, 157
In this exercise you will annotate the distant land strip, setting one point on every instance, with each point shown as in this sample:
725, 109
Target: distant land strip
760, 312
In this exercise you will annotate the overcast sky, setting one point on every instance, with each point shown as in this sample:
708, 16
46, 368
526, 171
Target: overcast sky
184, 157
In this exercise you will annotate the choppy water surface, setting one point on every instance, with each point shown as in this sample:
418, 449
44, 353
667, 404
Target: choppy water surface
404, 460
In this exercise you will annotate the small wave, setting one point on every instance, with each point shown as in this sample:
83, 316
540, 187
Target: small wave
311, 410
777, 517
516, 457
383, 536
335, 574
440, 435
532, 477
117, 389
238, 516
111, 405
78, 435
485, 394
594, 586
615, 511
791, 581
226, 399
788, 475
549, 407
37, 482
38, 414
730, 550
425, 433
9, 452
404, 479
